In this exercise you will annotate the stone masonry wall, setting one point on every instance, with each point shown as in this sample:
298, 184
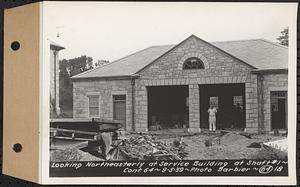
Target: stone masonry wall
105, 89
220, 68
194, 104
251, 104
273, 82
141, 108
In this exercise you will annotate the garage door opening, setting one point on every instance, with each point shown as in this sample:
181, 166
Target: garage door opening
168, 107
230, 101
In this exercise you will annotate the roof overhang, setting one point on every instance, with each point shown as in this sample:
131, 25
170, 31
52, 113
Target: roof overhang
55, 46
270, 71
124, 77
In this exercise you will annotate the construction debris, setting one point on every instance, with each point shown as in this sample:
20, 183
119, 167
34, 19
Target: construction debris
247, 135
173, 146
255, 145
145, 147
278, 145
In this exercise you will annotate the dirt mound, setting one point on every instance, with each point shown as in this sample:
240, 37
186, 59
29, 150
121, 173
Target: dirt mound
233, 138
72, 154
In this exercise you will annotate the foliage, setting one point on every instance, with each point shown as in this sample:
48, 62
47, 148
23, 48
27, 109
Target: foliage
78, 65
284, 38
101, 63
69, 68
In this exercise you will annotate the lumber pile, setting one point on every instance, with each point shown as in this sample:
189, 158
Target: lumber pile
145, 147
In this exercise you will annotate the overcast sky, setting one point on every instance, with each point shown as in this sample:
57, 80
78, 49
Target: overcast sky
112, 30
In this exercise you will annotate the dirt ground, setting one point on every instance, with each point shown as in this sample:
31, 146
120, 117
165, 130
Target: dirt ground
71, 154
228, 146
66, 150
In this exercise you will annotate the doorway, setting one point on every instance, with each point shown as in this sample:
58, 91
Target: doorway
119, 108
167, 107
278, 109
229, 99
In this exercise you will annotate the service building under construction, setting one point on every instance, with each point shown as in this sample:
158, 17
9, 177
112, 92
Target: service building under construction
172, 86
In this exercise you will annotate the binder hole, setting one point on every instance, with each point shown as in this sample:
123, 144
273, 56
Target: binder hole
15, 45
17, 148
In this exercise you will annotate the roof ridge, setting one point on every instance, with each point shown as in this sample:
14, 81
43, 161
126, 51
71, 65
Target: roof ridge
165, 45
237, 40
273, 43
262, 39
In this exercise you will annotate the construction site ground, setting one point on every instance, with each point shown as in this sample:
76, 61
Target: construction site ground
231, 145
201, 146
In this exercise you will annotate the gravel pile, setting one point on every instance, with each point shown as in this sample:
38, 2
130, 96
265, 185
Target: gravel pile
72, 154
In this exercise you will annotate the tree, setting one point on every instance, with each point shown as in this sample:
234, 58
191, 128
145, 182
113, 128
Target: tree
79, 65
284, 38
69, 68
101, 63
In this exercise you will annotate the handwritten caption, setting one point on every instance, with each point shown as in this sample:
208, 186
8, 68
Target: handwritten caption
196, 167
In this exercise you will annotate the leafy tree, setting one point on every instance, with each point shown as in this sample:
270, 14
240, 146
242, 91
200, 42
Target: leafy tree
79, 65
101, 63
65, 90
284, 38
69, 68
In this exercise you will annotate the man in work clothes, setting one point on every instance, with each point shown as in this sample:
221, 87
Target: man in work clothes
212, 118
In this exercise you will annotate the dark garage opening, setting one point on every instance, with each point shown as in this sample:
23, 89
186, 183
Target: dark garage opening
168, 107
230, 101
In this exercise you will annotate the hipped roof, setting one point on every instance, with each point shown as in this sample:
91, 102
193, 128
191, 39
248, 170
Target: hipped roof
257, 53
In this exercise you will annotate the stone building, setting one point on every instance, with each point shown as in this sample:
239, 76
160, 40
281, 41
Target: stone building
54, 79
172, 86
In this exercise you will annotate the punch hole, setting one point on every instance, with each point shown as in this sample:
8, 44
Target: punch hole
15, 45
17, 147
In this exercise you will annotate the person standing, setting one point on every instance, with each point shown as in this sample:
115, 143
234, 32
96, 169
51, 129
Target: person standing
212, 118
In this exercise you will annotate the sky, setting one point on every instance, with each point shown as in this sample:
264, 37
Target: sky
108, 31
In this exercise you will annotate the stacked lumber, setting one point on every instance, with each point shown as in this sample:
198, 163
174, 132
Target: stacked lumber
144, 147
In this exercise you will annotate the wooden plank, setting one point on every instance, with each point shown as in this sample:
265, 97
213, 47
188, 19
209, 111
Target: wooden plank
84, 120
70, 138
73, 131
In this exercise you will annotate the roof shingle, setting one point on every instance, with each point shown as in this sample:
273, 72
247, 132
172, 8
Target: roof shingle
128, 65
259, 53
